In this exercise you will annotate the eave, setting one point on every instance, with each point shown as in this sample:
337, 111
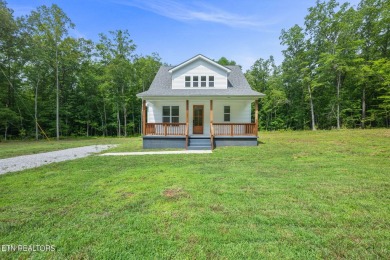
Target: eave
199, 56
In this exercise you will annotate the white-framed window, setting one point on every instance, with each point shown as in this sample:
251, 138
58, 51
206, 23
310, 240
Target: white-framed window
203, 81
226, 113
188, 81
170, 114
195, 81
198, 81
211, 81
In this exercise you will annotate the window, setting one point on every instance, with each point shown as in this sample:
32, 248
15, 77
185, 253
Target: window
198, 81
203, 81
226, 113
195, 80
170, 114
174, 114
166, 114
211, 81
188, 81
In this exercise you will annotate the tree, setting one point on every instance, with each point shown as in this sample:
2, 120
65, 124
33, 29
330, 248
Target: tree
299, 66
10, 67
374, 37
340, 45
116, 54
7, 117
265, 77
52, 24
145, 68
225, 62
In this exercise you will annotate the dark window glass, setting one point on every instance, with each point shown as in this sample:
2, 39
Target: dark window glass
188, 81
195, 80
166, 111
170, 114
211, 81
175, 111
226, 113
203, 81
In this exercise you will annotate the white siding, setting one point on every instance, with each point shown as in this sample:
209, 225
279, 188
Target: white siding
155, 110
199, 68
240, 111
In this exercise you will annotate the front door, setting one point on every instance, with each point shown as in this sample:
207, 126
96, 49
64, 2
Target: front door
198, 119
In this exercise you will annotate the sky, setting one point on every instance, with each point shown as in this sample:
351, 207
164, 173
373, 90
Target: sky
243, 31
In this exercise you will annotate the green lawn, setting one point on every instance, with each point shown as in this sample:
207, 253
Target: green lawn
298, 195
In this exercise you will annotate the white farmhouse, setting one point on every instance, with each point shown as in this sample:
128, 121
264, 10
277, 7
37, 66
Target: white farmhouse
199, 104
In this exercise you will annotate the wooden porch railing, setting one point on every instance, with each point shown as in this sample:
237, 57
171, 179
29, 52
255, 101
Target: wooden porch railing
235, 129
165, 129
212, 135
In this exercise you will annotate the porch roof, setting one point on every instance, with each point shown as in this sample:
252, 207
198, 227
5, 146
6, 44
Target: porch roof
237, 86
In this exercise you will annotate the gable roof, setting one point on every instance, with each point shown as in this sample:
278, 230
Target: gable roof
238, 86
199, 57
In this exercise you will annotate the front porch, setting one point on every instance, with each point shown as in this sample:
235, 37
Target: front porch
179, 135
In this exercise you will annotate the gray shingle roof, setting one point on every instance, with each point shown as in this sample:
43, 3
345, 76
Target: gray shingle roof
237, 86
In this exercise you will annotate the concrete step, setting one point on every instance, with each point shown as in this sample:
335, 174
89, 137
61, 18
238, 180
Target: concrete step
199, 147
199, 141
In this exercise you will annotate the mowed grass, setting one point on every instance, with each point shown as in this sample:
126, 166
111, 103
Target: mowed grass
298, 195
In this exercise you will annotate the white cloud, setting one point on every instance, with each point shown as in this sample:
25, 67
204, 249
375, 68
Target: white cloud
194, 12
20, 10
77, 34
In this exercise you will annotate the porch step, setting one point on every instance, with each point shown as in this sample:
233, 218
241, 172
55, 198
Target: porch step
199, 143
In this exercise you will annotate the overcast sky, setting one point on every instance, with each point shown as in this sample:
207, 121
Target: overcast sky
243, 31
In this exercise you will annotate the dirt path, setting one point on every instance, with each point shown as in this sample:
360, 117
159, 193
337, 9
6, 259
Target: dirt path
23, 162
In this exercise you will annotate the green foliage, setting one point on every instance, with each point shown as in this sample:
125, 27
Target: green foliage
224, 61
335, 74
49, 77
335, 71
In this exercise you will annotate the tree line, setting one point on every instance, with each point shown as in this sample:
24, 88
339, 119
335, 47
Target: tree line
52, 84
335, 73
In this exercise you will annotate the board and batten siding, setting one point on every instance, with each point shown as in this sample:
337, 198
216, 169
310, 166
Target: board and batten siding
199, 68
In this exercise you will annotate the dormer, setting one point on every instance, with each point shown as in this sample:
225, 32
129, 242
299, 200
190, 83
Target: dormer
199, 72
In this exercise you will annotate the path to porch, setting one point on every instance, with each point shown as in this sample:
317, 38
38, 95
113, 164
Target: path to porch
157, 152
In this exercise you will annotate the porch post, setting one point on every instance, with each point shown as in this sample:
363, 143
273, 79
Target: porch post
144, 117
257, 116
187, 115
211, 124
211, 112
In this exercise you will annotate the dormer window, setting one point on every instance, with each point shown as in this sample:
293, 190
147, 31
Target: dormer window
188, 81
198, 81
195, 82
211, 81
203, 81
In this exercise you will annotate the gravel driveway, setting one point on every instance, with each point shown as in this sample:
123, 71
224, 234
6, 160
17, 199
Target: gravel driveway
23, 162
